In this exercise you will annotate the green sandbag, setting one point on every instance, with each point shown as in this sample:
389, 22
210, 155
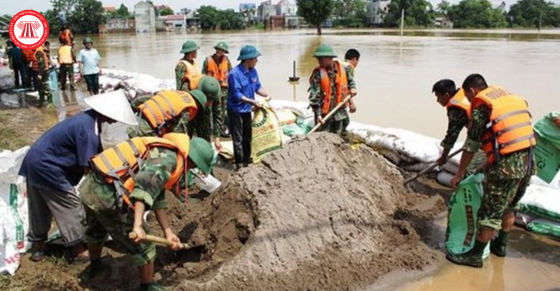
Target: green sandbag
545, 227
294, 129
462, 216
547, 151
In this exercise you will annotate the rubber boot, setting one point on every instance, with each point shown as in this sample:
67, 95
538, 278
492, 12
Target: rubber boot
472, 258
498, 245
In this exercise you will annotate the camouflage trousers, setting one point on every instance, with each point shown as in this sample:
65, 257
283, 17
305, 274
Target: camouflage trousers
222, 106
500, 196
44, 89
336, 126
105, 218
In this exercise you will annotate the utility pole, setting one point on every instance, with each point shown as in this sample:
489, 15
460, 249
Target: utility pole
402, 22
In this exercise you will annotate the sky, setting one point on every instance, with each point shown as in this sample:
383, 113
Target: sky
13, 7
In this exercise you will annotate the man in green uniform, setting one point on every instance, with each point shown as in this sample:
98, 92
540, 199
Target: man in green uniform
218, 66
208, 124
187, 68
107, 215
507, 175
457, 115
43, 76
323, 98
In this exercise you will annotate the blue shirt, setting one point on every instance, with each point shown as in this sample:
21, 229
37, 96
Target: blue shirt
90, 58
58, 158
242, 82
17, 56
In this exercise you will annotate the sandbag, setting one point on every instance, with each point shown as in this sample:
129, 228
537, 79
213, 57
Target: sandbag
522, 219
285, 117
547, 159
545, 227
300, 109
14, 222
267, 136
541, 201
462, 216
444, 178
294, 129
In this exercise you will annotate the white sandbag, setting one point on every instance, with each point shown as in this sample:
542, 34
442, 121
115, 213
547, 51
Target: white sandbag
522, 219
298, 108
14, 221
540, 201
555, 183
285, 117
444, 178
410, 146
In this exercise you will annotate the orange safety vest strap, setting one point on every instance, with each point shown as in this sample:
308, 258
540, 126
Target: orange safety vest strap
507, 115
514, 127
518, 140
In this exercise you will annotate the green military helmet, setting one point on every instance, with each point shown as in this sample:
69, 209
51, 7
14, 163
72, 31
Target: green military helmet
248, 52
200, 98
324, 50
189, 46
87, 40
202, 154
222, 46
210, 87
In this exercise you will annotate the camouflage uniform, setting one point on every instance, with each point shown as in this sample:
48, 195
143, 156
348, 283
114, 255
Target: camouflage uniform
180, 71
506, 179
207, 124
44, 89
339, 121
178, 125
105, 217
458, 119
221, 103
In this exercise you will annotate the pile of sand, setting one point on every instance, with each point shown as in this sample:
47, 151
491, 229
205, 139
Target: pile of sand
318, 215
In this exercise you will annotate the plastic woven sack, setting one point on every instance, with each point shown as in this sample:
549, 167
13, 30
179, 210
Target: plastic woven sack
462, 216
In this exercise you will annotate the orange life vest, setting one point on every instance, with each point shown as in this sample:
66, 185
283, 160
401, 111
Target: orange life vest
28, 55
166, 106
510, 129
119, 164
341, 81
65, 37
459, 100
192, 75
220, 72
35, 62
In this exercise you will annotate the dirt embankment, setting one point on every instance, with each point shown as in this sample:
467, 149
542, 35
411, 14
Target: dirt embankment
317, 215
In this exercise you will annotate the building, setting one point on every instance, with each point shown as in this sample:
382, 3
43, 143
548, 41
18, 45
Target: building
265, 10
171, 22
193, 20
118, 25
249, 13
376, 11
285, 7
443, 22
145, 17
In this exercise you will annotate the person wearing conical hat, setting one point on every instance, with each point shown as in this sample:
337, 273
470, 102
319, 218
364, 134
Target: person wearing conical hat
330, 83
187, 71
116, 201
57, 161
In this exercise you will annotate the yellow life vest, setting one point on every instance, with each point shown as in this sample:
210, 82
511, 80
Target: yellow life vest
192, 75
65, 55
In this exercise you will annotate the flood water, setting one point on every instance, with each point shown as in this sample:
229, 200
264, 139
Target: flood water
394, 80
395, 74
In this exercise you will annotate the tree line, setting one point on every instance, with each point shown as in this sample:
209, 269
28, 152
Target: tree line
421, 13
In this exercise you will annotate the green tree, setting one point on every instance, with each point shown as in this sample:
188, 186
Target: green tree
315, 12
442, 9
209, 16
83, 16
229, 20
534, 13
123, 12
350, 13
164, 11
416, 13
476, 14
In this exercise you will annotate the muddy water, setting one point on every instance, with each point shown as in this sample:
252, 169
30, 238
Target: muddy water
395, 73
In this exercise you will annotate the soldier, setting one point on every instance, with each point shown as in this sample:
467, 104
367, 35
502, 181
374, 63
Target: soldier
41, 66
331, 83
187, 72
458, 112
351, 60
66, 59
122, 186
208, 124
501, 125
218, 65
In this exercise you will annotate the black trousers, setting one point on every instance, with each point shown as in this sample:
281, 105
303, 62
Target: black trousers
240, 127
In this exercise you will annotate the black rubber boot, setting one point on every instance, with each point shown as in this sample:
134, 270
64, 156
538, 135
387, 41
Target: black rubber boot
95, 268
498, 245
472, 258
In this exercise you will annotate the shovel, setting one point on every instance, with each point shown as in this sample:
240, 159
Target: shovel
430, 168
331, 113
161, 241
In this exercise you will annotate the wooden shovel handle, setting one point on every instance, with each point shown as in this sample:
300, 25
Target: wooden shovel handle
155, 239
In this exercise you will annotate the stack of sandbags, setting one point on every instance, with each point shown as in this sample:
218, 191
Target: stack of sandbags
540, 210
14, 221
